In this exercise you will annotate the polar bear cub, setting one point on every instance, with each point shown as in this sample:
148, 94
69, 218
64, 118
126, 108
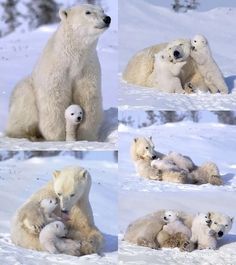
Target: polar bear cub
51, 234
164, 165
166, 71
73, 116
174, 224
49, 205
202, 233
208, 68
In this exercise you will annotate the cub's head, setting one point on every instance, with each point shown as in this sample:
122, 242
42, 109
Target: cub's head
164, 56
220, 223
198, 42
74, 114
49, 204
204, 218
59, 229
170, 216
143, 148
70, 185
179, 49
85, 21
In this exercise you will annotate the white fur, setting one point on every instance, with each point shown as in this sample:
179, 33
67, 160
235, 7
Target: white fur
174, 224
220, 224
164, 165
166, 72
73, 116
68, 71
50, 234
208, 68
202, 233
49, 205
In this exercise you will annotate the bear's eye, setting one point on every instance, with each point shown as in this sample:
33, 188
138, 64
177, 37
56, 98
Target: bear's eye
215, 223
50, 201
81, 113
206, 217
72, 114
72, 195
226, 225
195, 41
88, 13
169, 215
147, 147
59, 194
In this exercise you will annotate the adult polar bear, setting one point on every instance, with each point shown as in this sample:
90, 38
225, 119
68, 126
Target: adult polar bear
68, 72
141, 65
71, 185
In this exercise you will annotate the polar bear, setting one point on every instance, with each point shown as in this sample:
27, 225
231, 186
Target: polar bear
174, 224
202, 235
207, 66
71, 186
165, 75
173, 167
142, 153
73, 116
49, 205
68, 71
148, 231
221, 224
141, 66
50, 235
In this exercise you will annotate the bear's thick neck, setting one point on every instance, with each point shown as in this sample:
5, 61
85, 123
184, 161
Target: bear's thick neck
73, 47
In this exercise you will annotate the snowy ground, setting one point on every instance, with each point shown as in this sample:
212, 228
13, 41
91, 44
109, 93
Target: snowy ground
19, 179
19, 52
201, 141
142, 24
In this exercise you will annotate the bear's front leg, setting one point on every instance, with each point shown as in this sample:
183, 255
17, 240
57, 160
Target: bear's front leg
51, 103
93, 244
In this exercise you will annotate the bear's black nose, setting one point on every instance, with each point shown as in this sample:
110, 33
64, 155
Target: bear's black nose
64, 211
176, 54
220, 233
79, 118
154, 157
107, 20
165, 218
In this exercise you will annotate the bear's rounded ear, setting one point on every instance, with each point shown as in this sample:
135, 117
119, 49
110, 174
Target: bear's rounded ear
63, 14
150, 138
56, 174
84, 173
232, 219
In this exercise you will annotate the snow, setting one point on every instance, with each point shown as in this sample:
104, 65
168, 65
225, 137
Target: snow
202, 142
148, 24
18, 54
19, 179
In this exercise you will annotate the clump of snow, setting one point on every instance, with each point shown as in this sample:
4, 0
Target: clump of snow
152, 24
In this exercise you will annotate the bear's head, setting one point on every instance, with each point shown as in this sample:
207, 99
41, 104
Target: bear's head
220, 224
170, 216
70, 185
179, 49
74, 114
58, 229
204, 218
143, 148
85, 21
198, 42
49, 204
